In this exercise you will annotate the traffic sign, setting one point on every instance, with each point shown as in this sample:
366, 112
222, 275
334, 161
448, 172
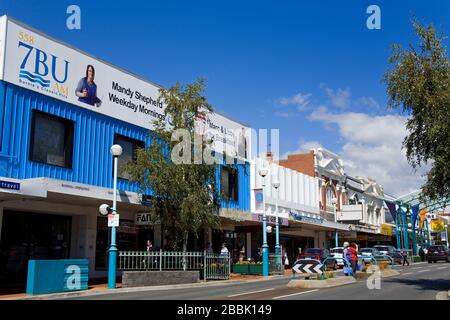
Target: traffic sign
113, 220
307, 266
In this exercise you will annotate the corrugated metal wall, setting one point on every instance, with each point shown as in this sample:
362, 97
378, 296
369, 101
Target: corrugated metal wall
93, 136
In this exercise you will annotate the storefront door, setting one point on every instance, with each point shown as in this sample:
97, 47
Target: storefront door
28, 236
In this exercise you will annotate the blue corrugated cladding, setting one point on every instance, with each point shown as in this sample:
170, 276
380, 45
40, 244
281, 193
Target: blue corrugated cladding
93, 136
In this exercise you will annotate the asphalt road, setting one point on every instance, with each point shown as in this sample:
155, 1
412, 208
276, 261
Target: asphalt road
421, 281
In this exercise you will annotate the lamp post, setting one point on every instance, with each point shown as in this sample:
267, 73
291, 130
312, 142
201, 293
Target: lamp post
265, 248
276, 185
116, 151
334, 202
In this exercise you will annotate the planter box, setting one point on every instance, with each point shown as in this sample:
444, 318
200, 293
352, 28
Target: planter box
247, 268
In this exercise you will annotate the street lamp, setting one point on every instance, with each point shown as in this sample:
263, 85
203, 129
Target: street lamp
276, 185
263, 173
334, 202
116, 151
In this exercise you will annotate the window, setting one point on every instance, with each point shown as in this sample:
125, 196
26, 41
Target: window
329, 195
129, 153
51, 140
229, 183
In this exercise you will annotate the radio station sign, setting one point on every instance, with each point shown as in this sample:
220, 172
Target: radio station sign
42, 64
304, 218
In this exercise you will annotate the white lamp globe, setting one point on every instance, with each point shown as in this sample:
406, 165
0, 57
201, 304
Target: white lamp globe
104, 209
263, 172
269, 229
116, 150
276, 184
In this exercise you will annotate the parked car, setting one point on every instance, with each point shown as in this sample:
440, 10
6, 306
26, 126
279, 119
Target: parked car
366, 254
337, 253
390, 251
437, 253
321, 255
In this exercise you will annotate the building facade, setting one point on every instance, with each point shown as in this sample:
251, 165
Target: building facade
55, 162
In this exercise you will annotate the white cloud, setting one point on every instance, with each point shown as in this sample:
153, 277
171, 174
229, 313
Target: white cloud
372, 146
339, 98
368, 102
282, 114
300, 100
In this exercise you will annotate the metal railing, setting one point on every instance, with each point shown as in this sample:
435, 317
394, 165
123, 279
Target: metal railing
211, 265
276, 264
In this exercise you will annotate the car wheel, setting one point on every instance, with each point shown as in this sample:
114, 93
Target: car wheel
429, 261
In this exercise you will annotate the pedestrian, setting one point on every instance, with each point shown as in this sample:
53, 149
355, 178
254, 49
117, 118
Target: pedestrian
353, 249
346, 258
224, 250
422, 254
209, 249
149, 246
405, 257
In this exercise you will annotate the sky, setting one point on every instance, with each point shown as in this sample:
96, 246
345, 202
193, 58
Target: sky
309, 68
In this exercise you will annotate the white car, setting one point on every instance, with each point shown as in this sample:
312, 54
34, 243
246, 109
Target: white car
337, 253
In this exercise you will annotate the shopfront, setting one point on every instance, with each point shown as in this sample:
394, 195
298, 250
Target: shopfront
27, 235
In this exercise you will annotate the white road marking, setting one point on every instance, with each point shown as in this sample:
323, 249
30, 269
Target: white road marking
244, 293
294, 294
417, 268
441, 268
404, 274
423, 270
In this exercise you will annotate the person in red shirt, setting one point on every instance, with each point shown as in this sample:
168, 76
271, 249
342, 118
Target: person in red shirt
354, 257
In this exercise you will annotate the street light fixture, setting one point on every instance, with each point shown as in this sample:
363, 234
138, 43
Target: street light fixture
276, 185
334, 202
265, 248
116, 151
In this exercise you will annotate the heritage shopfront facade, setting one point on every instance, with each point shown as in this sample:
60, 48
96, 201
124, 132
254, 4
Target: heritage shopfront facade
55, 163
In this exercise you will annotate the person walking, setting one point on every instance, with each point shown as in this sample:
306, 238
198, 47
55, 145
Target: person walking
149, 246
405, 257
346, 258
224, 250
353, 249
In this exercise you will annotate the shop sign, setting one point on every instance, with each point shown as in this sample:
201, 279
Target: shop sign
299, 217
146, 219
113, 220
9, 185
259, 200
386, 230
236, 215
437, 225
344, 234
270, 219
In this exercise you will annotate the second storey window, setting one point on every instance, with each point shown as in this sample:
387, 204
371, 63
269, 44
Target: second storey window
51, 140
129, 153
229, 183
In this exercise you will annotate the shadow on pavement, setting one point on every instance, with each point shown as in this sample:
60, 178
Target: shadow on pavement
424, 284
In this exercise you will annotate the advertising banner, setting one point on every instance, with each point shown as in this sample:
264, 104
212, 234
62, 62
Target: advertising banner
437, 225
39, 63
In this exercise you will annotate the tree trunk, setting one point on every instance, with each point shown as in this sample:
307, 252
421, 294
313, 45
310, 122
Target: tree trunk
185, 241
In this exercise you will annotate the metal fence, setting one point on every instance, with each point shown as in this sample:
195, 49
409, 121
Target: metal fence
210, 265
276, 264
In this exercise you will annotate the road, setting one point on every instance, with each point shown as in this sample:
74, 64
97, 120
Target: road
421, 281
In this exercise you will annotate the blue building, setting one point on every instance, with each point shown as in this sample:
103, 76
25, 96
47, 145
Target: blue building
60, 112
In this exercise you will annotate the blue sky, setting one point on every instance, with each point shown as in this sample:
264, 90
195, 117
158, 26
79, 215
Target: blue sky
310, 68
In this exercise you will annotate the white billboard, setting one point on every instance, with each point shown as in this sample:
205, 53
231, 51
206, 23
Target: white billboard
42, 64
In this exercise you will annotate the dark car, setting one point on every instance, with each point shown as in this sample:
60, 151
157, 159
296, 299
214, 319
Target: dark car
395, 254
321, 255
437, 253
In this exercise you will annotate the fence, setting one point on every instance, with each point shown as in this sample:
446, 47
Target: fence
276, 264
210, 265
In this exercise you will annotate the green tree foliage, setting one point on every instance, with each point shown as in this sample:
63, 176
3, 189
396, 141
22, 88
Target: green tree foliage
184, 196
418, 83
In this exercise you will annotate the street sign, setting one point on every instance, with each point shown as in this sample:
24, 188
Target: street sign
113, 220
307, 266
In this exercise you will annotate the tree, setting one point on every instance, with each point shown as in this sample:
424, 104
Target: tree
184, 195
418, 83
